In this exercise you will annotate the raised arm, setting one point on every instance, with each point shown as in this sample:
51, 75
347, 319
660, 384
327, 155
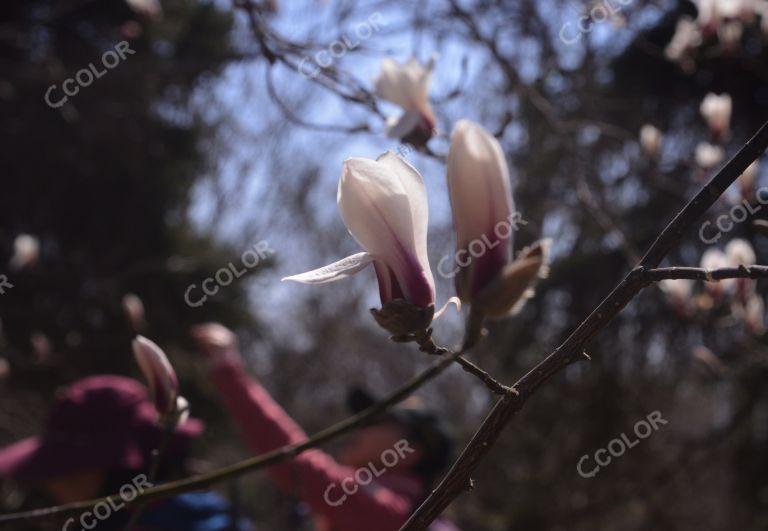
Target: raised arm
313, 476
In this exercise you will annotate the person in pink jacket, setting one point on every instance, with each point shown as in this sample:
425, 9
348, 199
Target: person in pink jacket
381, 476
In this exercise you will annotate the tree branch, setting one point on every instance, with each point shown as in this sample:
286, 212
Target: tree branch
709, 275
458, 478
270, 458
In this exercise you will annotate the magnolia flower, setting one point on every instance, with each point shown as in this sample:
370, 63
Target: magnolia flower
708, 156
133, 309
747, 180
716, 110
730, 34
407, 85
686, 38
739, 252
754, 315
678, 292
484, 219
160, 376
712, 259
383, 203
147, 8
709, 16
650, 140
26, 250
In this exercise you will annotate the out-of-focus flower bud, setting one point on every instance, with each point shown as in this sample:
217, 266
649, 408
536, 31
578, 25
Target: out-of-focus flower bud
650, 140
159, 374
407, 86
716, 110
134, 311
678, 292
708, 156
26, 251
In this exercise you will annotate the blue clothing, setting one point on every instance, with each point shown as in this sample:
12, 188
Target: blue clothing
192, 511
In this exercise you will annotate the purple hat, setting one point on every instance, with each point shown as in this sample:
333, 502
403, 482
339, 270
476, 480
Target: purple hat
103, 421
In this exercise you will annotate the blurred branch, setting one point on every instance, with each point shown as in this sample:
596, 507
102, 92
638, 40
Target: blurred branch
458, 479
710, 275
270, 458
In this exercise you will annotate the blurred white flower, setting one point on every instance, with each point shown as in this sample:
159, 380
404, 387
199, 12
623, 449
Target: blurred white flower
708, 156
754, 315
407, 85
650, 140
26, 251
686, 38
714, 258
678, 292
716, 110
147, 8
740, 252
133, 309
747, 179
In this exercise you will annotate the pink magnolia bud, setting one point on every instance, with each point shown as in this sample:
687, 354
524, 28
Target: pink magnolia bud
481, 200
160, 376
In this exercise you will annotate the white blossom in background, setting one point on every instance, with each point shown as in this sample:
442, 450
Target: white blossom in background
147, 8
716, 110
133, 308
730, 34
747, 180
708, 155
678, 292
739, 252
714, 258
686, 38
650, 140
26, 251
754, 315
407, 86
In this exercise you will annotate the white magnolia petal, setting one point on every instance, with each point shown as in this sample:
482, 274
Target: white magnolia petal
416, 192
383, 204
405, 85
375, 207
400, 127
344, 268
478, 181
391, 85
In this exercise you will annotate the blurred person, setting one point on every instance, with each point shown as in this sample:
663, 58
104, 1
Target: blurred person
98, 441
380, 477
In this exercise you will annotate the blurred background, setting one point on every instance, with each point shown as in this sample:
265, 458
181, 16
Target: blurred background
213, 137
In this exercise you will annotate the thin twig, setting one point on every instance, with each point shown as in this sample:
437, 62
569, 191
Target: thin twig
270, 458
458, 479
157, 458
710, 275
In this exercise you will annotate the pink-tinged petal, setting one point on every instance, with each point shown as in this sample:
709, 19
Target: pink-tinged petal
344, 268
405, 85
481, 200
384, 205
160, 376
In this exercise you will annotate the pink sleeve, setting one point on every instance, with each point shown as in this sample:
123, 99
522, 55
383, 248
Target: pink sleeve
313, 476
